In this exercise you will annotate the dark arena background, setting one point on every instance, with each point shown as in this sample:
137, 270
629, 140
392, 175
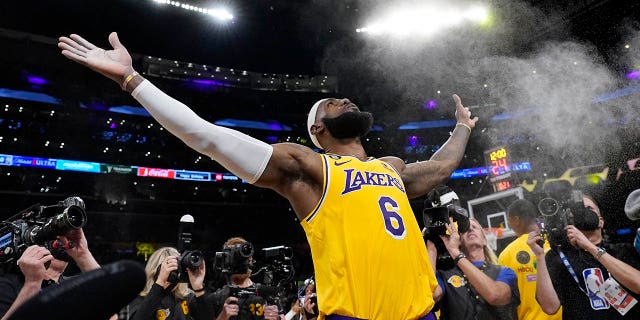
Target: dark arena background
554, 83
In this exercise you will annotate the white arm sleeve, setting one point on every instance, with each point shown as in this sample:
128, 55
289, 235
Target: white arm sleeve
244, 156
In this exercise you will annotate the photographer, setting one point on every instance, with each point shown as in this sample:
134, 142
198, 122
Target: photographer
585, 275
164, 299
241, 297
310, 304
40, 269
521, 215
476, 288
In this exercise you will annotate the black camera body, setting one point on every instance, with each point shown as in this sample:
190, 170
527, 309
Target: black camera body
277, 265
441, 204
242, 293
561, 210
41, 225
274, 273
234, 259
189, 258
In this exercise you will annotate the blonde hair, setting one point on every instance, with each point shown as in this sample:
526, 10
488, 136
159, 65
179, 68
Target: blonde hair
181, 290
489, 256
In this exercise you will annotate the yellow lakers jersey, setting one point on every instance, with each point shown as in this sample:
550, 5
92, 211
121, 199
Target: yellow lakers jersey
518, 256
368, 253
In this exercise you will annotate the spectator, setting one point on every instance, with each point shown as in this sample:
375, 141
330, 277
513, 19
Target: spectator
522, 217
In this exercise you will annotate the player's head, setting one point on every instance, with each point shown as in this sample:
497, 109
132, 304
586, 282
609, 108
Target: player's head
521, 214
340, 117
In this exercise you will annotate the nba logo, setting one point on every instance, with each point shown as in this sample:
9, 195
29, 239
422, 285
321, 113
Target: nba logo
594, 281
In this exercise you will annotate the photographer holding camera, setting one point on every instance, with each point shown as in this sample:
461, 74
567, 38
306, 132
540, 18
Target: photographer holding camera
477, 287
240, 298
584, 274
165, 296
522, 215
39, 269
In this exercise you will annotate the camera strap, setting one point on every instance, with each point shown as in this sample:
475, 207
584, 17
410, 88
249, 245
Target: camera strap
567, 264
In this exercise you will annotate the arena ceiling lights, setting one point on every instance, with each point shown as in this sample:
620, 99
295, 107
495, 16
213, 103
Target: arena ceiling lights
219, 14
423, 20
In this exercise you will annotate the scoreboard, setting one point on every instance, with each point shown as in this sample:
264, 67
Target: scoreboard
499, 168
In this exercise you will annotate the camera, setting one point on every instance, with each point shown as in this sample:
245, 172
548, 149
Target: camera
276, 264
441, 204
41, 225
313, 297
234, 259
275, 270
189, 258
562, 209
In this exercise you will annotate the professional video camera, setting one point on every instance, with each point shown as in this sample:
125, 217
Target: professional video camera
275, 271
442, 203
41, 225
276, 264
189, 258
562, 209
234, 259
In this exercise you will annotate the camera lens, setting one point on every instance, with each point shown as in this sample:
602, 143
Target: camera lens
548, 207
246, 249
192, 259
75, 217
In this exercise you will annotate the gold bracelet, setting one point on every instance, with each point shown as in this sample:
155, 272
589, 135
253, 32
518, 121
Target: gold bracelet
128, 79
463, 124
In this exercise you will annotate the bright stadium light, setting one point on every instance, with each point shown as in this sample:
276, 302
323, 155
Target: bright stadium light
219, 13
423, 20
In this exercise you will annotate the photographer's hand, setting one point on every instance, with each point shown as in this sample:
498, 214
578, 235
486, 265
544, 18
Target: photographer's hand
532, 241
229, 309
32, 264
309, 305
77, 248
271, 312
578, 239
196, 278
169, 264
452, 241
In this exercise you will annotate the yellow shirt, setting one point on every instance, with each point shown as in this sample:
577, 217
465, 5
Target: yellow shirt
368, 253
518, 256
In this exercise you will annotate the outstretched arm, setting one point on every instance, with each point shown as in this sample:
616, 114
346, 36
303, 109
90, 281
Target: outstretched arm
420, 177
243, 155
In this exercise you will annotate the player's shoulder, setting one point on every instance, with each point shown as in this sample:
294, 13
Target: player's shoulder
396, 162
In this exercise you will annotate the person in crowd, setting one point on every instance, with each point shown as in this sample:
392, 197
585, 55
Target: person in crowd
164, 297
358, 202
477, 287
39, 269
241, 297
582, 273
310, 302
295, 311
522, 218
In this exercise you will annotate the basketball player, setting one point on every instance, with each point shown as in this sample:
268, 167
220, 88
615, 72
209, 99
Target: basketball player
369, 256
